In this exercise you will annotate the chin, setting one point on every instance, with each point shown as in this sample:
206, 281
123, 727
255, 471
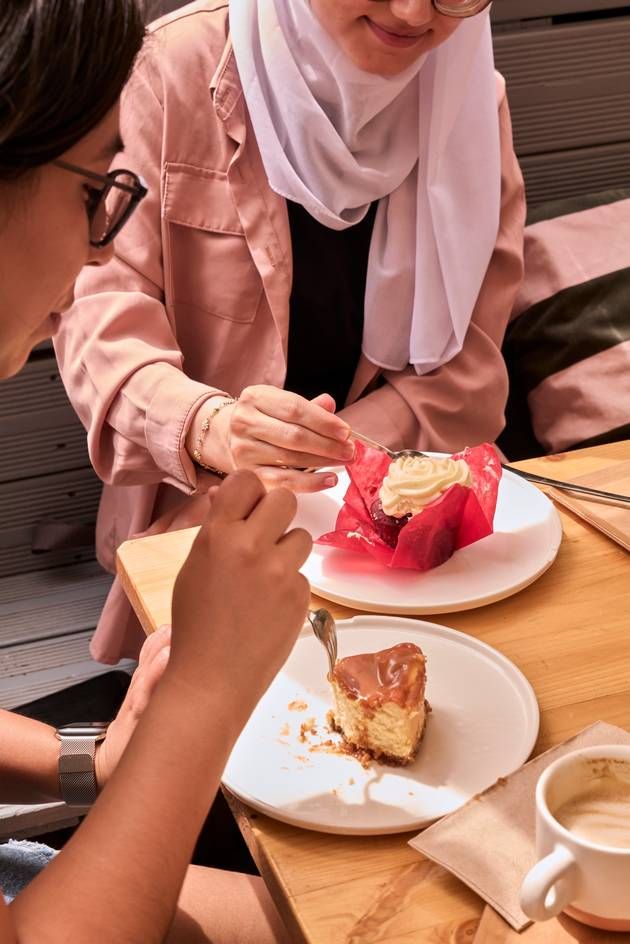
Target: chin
385, 64
46, 330
391, 70
387, 68
12, 362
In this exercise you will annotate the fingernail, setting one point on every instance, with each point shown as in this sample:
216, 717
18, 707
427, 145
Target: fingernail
330, 481
343, 435
348, 451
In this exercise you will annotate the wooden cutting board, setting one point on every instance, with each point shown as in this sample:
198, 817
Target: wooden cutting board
494, 930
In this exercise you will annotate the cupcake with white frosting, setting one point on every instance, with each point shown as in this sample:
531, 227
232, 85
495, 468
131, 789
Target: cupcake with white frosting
416, 511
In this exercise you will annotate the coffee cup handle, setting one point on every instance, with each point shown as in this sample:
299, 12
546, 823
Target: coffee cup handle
557, 872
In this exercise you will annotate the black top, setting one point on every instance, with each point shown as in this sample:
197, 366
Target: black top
327, 304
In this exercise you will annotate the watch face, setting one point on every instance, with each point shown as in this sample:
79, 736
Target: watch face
83, 728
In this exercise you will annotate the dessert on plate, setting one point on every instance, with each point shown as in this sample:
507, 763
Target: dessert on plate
379, 701
416, 511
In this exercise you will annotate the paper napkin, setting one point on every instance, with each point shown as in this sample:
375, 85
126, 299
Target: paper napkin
612, 520
490, 842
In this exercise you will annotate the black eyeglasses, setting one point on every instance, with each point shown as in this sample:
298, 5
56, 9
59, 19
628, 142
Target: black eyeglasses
110, 205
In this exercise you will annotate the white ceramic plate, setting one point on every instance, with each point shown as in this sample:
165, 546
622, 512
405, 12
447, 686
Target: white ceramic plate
483, 725
525, 542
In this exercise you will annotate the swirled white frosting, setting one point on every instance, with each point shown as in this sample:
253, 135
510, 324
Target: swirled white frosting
413, 482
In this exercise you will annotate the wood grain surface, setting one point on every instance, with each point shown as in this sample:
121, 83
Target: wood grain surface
568, 633
563, 930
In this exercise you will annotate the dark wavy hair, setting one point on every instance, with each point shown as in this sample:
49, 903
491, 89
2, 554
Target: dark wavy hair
63, 64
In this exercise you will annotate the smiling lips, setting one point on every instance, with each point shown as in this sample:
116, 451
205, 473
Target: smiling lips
401, 40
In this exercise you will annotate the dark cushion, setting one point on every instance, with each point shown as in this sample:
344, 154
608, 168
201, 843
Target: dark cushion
567, 346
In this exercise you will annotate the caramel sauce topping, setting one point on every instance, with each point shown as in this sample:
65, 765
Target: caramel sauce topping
392, 675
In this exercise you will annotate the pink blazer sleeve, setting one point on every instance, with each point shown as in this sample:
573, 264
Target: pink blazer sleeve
463, 402
116, 348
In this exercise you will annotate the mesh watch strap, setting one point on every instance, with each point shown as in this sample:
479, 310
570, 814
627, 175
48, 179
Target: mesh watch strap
77, 780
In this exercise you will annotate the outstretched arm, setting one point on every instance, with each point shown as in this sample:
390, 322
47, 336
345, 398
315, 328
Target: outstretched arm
29, 750
119, 877
29, 760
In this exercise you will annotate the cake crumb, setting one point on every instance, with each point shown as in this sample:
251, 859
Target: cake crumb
328, 747
307, 727
285, 730
351, 781
297, 705
364, 757
343, 749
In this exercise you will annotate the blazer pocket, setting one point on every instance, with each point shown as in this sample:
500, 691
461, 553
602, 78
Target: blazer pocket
208, 264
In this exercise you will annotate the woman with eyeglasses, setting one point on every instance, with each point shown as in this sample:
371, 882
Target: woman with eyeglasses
332, 240
124, 875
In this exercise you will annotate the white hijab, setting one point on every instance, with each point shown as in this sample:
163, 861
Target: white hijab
425, 144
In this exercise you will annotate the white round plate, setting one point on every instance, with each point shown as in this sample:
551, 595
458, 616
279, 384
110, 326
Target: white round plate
483, 725
527, 535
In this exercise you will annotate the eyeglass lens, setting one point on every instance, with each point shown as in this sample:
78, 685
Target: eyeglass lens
111, 208
460, 7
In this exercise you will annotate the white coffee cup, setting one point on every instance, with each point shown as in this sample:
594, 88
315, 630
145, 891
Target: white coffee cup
588, 880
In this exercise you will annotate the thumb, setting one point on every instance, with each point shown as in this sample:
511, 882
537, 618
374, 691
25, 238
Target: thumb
146, 679
325, 401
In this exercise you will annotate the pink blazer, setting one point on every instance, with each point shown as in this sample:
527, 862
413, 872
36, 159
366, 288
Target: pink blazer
197, 301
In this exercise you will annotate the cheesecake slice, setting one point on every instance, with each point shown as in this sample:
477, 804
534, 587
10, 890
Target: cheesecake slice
379, 702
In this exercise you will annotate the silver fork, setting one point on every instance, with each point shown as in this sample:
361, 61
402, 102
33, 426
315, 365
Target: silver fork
530, 476
393, 454
323, 626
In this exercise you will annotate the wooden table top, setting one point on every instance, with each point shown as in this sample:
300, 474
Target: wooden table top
568, 633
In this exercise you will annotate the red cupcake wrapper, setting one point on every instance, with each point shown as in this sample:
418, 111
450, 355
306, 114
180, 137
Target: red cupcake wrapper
460, 516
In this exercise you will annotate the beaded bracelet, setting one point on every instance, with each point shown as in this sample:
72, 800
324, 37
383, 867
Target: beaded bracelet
201, 438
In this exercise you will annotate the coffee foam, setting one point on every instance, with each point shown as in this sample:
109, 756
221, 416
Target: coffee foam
599, 811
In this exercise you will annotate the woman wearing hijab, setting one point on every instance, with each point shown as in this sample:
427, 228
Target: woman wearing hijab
332, 240
153, 773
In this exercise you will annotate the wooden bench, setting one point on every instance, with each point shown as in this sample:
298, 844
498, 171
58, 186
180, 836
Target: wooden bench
567, 68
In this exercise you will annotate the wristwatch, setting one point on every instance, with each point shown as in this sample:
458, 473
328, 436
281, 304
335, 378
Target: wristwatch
77, 778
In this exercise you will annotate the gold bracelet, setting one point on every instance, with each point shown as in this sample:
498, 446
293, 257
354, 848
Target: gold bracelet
201, 438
